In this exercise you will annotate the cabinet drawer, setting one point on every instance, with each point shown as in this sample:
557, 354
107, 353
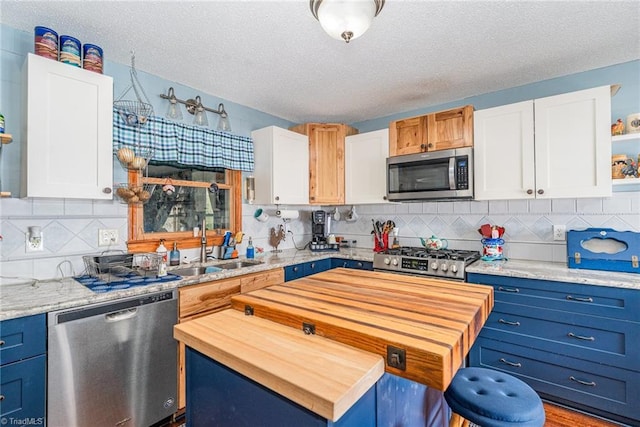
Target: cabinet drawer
616, 303
21, 338
610, 390
23, 390
609, 341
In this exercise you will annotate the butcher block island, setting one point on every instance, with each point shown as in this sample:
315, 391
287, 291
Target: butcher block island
421, 329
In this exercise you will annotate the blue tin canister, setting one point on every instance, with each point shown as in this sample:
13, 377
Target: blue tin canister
92, 58
492, 249
46, 42
70, 51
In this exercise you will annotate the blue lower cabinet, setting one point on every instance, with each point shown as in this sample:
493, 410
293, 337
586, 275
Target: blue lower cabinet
293, 272
313, 267
219, 396
406, 403
351, 263
23, 391
360, 265
22, 338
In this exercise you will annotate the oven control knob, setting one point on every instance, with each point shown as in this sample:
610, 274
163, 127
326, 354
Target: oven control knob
387, 261
434, 265
444, 267
394, 261
454, 268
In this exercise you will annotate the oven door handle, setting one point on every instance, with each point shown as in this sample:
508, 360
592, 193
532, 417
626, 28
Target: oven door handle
452, 173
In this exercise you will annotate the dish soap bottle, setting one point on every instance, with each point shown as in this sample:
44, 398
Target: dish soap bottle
250, 250
174, 255
162, 252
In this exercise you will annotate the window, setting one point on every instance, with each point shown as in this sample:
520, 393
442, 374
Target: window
180, 200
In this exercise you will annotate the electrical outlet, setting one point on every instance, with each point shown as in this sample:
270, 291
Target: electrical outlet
107, 237
35, 243
559, 232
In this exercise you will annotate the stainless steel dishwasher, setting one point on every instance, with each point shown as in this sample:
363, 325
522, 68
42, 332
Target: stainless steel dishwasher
113, 364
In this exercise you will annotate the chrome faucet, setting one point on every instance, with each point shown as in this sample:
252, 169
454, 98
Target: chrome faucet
203, 242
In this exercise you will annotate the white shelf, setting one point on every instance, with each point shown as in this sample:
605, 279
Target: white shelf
626, 137
626, 181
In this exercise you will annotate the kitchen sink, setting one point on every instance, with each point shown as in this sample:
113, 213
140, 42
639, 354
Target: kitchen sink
195, 271
238, 264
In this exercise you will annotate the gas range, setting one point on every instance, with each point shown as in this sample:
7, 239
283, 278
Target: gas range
444, 263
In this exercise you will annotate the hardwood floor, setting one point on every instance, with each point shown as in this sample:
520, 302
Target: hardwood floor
562, 417
556, 417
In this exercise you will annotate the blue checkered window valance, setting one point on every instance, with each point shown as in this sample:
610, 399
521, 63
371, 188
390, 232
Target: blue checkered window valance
184, 145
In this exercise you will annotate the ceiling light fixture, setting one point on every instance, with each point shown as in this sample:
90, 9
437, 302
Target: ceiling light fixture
345, 19
195, 107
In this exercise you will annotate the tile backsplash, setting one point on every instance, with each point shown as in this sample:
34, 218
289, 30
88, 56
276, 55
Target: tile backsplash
70, 227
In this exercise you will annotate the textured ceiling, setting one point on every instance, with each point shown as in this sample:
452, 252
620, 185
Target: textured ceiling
274, 57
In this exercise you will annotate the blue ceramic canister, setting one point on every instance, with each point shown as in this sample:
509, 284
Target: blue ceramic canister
92, 58
492, 249
46, 42
70, 50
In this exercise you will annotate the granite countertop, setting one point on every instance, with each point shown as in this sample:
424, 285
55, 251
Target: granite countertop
29, 297
555, 271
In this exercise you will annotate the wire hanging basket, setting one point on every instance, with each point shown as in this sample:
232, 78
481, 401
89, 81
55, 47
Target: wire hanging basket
134, 112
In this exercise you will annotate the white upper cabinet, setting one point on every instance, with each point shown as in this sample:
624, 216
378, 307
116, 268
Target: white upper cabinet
365, 167
554, 147
69, 132
281, 167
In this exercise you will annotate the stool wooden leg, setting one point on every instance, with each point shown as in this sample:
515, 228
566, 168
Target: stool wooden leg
458, 421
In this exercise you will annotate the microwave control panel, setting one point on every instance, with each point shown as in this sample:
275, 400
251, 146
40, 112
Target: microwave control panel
462, 173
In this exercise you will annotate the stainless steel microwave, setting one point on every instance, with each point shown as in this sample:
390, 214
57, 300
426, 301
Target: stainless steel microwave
445, 174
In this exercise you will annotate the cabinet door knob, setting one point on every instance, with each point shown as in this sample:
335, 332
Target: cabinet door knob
541, 191
384, 197
1, 397
1, 343
423, 147
106, 190
277, 197
529, 191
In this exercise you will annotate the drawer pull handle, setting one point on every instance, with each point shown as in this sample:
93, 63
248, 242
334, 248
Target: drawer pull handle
508, 322
589, 383
572, 298
506, 362
580, 337
516, 290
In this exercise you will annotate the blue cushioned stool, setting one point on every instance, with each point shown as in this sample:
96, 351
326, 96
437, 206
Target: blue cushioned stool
491, 398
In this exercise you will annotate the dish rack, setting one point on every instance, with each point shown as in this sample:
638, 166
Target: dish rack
119, 267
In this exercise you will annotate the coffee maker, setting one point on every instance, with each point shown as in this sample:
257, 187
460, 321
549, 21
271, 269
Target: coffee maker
320, 231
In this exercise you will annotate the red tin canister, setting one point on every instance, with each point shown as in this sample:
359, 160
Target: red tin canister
70, 51
92, 58
46, 42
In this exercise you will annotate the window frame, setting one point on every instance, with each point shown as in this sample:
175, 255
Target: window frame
138, 241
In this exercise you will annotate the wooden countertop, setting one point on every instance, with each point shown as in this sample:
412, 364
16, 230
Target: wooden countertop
434, 321
321, 375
